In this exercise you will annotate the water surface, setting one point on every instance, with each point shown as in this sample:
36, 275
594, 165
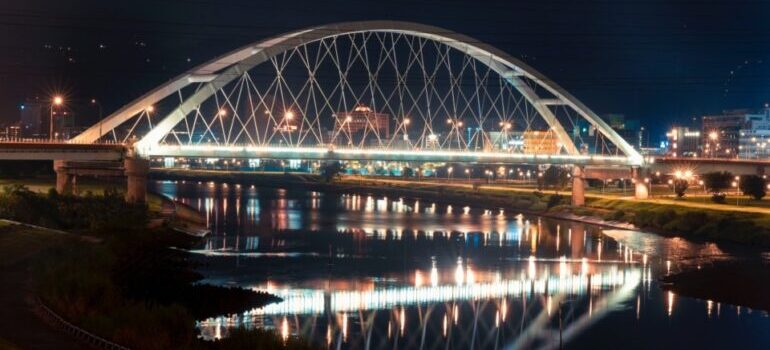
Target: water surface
366, 272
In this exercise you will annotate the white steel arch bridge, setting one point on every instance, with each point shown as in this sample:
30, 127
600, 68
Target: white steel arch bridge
372, 90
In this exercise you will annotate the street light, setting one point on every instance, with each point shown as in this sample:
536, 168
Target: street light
56, 101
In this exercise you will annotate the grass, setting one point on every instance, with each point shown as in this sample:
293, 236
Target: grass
126, 286
19, 242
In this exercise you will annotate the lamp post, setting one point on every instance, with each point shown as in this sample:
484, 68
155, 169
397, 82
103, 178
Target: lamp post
55, 102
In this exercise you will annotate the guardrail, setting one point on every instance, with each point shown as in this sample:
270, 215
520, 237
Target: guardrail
76, 332
60, 141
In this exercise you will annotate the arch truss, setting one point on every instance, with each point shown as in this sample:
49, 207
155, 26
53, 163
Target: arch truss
366, 90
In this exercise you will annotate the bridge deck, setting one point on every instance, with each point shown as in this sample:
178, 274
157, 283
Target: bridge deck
322, 153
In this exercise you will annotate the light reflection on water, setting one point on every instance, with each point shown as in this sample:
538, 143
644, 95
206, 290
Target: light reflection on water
376, 272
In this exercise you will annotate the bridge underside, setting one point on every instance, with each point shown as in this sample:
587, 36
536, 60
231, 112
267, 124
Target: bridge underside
351, 154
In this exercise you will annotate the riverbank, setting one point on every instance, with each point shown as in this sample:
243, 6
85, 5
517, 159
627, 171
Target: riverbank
113, 277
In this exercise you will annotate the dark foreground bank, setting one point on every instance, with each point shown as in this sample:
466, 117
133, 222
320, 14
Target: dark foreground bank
116, 278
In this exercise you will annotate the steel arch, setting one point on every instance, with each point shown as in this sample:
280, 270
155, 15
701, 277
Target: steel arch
224, 69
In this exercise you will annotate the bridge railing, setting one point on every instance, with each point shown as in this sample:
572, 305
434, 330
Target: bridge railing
45, 140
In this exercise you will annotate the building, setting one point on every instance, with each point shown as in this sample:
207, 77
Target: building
754, 138
631, 130
363, 120
10, 132
721, 133
540, 142
736, 133
586, 137
32, 114
512, 141
683, 142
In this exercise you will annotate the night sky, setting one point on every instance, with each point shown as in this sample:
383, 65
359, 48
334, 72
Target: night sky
660, 61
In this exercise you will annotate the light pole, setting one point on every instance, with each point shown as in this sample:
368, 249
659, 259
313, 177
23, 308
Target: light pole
449, 172
468, 172
57, 101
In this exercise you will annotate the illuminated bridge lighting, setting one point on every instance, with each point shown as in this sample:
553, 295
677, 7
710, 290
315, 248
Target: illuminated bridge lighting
315, 302
338, 153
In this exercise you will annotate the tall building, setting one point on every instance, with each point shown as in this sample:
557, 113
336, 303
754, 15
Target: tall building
31, 116
683, 142
363, 119
721, 133
540, 142
754, 138
737, 133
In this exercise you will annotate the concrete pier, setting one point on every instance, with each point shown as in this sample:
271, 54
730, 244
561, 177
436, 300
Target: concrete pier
136, 170
578, 187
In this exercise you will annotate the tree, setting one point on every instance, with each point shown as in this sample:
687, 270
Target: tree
716, 182
555, 177
754, 186
680, 187
407, 172
330, 170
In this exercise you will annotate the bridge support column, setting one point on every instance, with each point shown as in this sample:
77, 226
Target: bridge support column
578, 187
641, 183
136, 174
63, 177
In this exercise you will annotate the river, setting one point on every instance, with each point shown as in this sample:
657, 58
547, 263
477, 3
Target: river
365, 272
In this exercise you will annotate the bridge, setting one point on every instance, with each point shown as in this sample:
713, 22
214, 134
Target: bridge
370, 91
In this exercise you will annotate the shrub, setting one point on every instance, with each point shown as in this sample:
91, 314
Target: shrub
554, 200
754, 186
101, 213
555, 177
644, 218
680, 187
664, 217
717, 182
617, 215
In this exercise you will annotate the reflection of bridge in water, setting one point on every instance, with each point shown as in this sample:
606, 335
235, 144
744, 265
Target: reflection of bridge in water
351, 317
